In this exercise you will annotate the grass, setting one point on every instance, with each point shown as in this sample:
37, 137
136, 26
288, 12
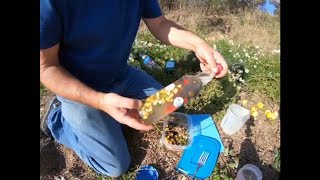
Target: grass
253, 52
131, 175
264, 29
261, 71
43, 90
261, 76
277, 161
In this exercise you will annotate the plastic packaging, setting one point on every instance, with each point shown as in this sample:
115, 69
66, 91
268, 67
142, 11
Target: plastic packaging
170, 66
147, 172
234, 119
177, 119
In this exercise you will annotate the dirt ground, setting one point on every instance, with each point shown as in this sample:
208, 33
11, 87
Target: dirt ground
255, 143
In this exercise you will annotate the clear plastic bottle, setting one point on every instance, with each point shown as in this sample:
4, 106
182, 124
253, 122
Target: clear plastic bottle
173, 96
147, 61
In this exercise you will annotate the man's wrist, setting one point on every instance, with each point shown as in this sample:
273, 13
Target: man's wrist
198, 43
98, 100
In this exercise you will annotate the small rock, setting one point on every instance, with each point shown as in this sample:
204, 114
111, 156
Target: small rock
184, 178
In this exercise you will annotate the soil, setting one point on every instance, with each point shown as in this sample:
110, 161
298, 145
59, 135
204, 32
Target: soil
255, 143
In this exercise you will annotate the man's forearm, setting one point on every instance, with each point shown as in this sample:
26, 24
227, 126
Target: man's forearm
62, 83
171, 33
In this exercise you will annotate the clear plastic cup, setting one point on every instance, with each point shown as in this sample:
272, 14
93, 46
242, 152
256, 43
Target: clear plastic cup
249, 172
234, 119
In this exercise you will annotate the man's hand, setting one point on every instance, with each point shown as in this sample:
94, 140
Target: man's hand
123, 109
209, 58
170, 33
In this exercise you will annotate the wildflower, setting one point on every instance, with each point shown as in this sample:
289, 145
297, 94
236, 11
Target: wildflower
260, 105
276, 51
244, 50
246, 70
149, 44
274, 115
244, 102
230, 50
266, 112
254, 66
269, 115
131, 59
253, 109
215, 46
254, 114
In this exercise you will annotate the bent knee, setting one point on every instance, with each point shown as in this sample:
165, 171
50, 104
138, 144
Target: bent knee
121, 169
117, 168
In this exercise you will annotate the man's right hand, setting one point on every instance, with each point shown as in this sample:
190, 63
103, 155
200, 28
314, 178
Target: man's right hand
52, 75
123, 109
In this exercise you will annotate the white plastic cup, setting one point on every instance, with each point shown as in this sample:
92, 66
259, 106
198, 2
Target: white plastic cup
249, 172
234, 119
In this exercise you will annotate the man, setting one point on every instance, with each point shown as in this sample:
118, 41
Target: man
84, 46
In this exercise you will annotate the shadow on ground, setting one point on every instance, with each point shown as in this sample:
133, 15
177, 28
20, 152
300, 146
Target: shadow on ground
249, 155
137, 146
52, 161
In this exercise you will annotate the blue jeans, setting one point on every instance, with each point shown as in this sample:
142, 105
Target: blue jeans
94, 135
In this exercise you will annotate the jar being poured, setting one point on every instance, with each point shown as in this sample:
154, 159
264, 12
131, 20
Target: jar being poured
173, 96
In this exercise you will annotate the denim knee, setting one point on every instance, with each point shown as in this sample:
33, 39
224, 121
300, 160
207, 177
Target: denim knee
122, 168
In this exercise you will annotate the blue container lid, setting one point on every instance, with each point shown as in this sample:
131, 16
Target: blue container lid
188, 162
170, 65
147, 173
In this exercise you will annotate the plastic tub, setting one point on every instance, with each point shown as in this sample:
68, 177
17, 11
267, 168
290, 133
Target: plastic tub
249, 172
185, 121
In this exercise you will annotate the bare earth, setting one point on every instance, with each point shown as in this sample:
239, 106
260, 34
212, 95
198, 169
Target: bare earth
255, 143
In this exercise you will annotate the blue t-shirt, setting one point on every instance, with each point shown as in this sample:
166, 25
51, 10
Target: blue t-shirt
95, 36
